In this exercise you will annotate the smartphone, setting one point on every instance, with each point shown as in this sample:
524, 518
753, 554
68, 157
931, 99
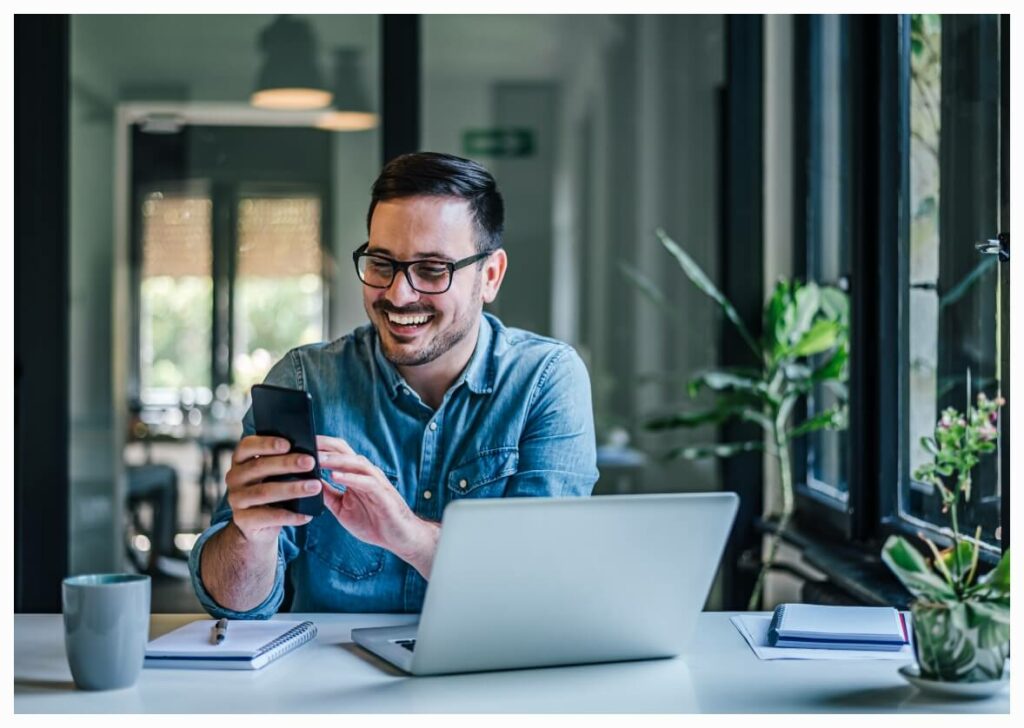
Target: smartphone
288, 413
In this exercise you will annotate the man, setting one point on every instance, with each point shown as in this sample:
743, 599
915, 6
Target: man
432, 402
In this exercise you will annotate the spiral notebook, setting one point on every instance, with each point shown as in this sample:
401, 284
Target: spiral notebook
250, 645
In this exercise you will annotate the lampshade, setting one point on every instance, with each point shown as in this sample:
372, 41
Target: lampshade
351, 109
289, 77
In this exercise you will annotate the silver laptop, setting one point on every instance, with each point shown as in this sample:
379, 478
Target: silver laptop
534, 582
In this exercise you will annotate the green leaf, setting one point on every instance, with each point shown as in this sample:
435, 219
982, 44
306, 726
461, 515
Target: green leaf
722, 450
701, 280
722, 380
832, 418
649, 288
822, 336
949, 558
835, 304
998, 580
839, 389
913, 571
808, 299
778, 318
834, 368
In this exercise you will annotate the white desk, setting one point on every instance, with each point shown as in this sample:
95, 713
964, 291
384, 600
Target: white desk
718, 674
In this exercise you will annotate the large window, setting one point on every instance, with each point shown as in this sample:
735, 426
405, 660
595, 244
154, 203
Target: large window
900, 159
954, 289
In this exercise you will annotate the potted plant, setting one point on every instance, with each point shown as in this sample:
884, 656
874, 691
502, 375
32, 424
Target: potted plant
804, 345
961, 621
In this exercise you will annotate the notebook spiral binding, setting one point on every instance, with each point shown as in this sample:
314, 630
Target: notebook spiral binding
773, 628
297, 636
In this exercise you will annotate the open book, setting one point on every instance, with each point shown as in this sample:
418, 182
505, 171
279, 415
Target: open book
250, 644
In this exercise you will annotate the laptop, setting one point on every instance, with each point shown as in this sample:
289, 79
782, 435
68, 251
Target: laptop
536, 582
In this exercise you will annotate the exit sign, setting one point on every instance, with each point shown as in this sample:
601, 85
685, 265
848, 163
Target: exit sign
511, 142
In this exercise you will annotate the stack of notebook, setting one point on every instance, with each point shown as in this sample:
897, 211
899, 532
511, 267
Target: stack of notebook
838, 628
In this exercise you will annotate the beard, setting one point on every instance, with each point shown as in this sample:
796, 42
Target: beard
440, 345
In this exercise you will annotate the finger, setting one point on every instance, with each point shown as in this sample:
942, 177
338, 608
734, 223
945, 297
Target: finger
346, 461
263, 493
358, 482
255, 471
257, 445
333, 444
268, 516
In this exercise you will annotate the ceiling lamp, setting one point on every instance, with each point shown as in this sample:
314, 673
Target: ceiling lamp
351, 109
289, 78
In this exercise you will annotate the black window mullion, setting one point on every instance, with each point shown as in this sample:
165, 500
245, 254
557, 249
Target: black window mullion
224, 196
1004, 274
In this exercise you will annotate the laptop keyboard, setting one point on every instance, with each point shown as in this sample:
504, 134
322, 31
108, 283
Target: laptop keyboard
407, 644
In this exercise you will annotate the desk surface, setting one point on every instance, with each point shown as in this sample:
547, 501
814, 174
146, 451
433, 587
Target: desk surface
717, 674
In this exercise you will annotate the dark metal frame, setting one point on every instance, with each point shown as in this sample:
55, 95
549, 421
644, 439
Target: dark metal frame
401, 85
41, 315
741, 265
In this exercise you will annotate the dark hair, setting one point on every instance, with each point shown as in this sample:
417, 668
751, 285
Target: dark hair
430, 173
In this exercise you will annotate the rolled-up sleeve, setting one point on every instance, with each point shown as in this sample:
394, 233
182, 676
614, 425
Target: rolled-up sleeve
283, 374
558, 450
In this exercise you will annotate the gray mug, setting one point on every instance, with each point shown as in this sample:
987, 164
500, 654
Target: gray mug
106, 628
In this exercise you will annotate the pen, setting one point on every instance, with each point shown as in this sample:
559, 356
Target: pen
220, 631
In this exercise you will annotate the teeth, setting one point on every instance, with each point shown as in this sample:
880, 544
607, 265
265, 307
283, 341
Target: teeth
407, 320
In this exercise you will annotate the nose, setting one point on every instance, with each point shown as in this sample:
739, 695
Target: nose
400, 293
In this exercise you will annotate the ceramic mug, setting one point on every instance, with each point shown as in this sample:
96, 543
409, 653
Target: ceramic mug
106, 628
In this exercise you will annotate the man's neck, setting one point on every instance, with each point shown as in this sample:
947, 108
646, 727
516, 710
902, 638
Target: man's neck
430, 381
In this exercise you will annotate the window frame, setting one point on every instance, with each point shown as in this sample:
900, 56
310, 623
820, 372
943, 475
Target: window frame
880, 59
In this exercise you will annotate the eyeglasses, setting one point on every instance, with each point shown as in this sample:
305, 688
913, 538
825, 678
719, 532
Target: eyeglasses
424, 276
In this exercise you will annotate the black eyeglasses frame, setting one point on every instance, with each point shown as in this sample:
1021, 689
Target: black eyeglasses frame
403, 265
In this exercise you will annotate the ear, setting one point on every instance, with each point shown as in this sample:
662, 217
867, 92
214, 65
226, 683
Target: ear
494, 274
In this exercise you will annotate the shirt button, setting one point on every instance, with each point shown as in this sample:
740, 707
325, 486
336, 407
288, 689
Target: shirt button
463, 483
433, 425
405, 391
426, 495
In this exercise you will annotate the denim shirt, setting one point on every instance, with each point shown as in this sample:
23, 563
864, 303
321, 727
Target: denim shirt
518, 421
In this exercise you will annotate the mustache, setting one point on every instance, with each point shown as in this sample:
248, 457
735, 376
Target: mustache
385, 307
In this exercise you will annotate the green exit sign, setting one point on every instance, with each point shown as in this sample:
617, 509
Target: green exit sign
511, 142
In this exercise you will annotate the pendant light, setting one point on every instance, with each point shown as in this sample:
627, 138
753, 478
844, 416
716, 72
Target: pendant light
351, 109
289, 77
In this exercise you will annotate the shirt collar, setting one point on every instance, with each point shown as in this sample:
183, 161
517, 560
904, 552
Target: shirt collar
478, 374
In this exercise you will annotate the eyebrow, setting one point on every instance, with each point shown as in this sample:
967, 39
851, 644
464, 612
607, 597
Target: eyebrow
428, 255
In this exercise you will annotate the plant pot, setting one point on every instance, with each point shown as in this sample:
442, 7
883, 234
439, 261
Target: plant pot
955, 643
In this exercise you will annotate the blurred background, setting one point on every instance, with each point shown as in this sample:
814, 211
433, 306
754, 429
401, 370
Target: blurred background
187, 214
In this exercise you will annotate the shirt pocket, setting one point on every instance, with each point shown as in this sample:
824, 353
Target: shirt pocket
485, 475
332, 544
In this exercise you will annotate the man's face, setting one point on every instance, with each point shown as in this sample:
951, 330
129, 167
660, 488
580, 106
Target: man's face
438, 228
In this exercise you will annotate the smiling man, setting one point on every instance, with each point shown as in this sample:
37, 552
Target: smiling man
431, 402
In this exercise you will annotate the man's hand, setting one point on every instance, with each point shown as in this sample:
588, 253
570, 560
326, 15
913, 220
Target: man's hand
257, 458
371, 509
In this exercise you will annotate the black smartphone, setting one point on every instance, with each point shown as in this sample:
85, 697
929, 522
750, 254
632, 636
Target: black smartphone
288, 413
